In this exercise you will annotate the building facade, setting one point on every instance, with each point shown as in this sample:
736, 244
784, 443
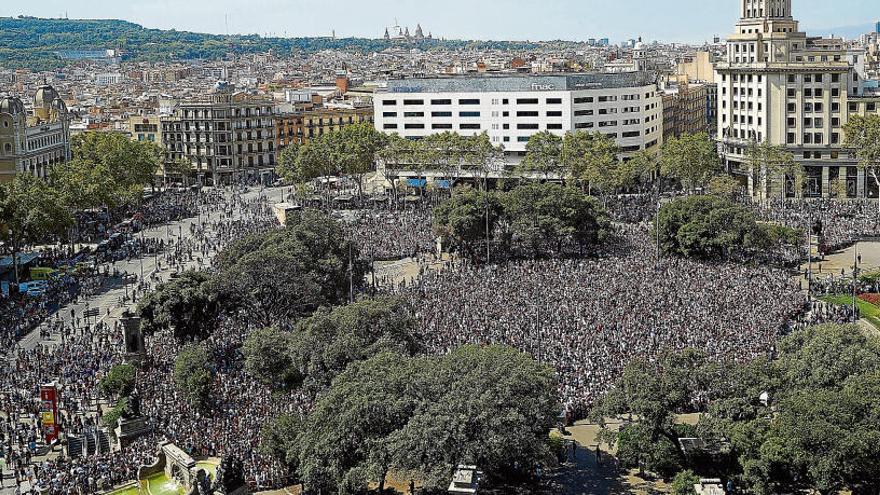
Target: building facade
33, 142
145, 128
511, 109
302, 126
227, 137
778, 85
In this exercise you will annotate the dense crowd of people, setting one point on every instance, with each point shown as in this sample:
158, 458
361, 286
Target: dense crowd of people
589, 318
389, 234
842, 222
86, 352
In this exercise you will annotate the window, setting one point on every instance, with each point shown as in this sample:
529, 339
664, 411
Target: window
390, 126
554, 101
474, 127
835, 138
413, 114
523, 139
441, 126
468, 114
835, 78
528, 114
441, 102
582, 113
414, 126
790, 138
554, 113
632, 134
527, 126
413, 102
469, 102
554, 127
791, 93
527, 101
441, 114
583, 125
586, 99
389, 103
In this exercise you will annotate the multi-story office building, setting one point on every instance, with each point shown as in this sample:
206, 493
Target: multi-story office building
228, 136
302, 126
779, 86
625, 106
33, 143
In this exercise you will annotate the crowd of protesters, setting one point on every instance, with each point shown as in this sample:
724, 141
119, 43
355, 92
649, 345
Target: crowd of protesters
589, 318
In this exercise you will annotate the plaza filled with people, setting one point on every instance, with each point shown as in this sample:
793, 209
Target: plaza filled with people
585, 317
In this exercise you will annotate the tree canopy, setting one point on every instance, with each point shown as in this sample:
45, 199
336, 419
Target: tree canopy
714, 228
491, 406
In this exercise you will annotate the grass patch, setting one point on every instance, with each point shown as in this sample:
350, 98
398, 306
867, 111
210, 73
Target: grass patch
867, 310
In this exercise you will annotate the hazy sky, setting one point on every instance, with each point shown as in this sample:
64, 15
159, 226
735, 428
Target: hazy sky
669, 20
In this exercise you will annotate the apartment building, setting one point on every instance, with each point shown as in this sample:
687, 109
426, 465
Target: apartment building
512, 108
227, 136
780, 86
302, 126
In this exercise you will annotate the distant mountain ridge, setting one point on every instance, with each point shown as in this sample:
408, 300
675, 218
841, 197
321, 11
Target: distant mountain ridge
848, 32
31, 42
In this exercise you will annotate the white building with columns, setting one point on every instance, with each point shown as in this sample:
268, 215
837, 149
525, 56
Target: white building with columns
779, 85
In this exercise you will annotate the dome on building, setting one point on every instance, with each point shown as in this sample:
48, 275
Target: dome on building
640, 46
59, 105
44, 96
11, 105
222, 87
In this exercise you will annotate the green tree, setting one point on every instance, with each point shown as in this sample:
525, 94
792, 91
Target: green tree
467, 219
691, 158
654, 392
192, 374
724, 186
543, 156
711, 227
356, 148
331, 339
119, 381
128, 166
185, 305
491, 406
683, 483
639, 171
591, 159
542, 214
774, 163
30, 212
863, 135
398, 154
819, 425
268, 358
289, 273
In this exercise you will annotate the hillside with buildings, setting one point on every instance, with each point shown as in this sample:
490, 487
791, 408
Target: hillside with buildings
44, 44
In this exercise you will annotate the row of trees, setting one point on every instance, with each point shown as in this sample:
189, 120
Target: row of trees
542, 217
808, 420
107, 171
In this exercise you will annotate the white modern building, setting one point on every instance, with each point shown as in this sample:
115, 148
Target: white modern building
512, 108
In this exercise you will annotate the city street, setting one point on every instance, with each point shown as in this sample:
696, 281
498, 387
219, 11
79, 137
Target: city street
110, 300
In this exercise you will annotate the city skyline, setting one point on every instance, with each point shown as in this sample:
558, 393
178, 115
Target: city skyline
686, 21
